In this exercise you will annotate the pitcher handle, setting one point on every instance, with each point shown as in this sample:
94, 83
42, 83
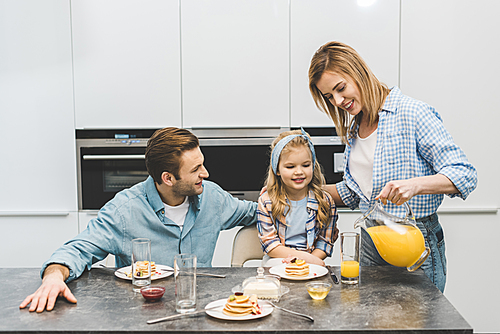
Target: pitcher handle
409, 212
360, 220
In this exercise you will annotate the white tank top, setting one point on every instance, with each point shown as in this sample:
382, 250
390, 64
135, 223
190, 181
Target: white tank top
361, 162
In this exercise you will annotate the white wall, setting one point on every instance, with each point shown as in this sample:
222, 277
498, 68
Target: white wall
449, 58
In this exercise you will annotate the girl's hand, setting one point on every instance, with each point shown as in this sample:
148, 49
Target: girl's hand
288, 259
309, 258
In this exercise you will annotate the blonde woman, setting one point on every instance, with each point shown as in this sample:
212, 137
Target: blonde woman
397, 151
295, 216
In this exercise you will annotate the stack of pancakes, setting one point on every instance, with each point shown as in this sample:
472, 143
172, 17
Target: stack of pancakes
297, 268
238, 306
141, 269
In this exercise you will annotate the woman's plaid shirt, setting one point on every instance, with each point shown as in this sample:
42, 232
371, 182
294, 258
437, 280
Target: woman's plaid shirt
411, 142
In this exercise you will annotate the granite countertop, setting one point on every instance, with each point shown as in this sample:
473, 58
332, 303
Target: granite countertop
386, 299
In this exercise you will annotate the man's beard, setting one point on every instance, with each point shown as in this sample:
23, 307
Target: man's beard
184, 189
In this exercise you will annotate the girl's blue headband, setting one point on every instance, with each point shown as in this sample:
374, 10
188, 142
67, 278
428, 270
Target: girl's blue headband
276, 153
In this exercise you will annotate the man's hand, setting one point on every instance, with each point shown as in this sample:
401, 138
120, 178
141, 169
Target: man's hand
52, 286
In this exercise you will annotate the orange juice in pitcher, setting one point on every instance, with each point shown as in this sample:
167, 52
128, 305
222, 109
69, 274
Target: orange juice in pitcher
398, 240
401, 246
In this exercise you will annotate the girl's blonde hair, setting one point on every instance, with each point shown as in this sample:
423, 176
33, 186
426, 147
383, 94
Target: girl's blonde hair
343, 60
277, 191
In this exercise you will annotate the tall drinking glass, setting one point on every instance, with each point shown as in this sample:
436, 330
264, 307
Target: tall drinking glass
349, 266
141, 263
185, 282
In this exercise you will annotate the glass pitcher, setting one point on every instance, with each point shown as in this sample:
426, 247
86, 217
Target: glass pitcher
398, 240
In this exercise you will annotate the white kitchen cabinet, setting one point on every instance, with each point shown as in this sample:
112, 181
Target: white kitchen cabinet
30, 239
235, 63
372, 30
38, 168
84, 217
450, 62
38, 160
126, 63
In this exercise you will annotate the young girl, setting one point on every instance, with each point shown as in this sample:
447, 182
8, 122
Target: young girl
296, 218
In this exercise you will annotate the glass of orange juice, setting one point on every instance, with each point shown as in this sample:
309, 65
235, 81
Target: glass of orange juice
349, 266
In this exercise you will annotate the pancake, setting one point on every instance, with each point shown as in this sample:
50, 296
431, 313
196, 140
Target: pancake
297, 268
238, 306
141, 268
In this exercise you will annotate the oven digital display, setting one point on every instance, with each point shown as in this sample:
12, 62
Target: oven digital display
124, 136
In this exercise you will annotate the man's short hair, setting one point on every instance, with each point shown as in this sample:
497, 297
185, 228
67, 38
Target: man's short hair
164, 150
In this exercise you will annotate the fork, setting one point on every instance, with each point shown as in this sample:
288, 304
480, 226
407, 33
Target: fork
308, 317
197, 273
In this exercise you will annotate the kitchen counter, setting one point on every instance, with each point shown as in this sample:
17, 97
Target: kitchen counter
387, 299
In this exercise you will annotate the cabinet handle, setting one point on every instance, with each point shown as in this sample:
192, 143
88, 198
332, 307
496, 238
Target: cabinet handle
467, 210
33, 213
114, 157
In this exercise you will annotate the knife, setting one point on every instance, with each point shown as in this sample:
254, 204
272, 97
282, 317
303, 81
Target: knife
175, 316
332, 275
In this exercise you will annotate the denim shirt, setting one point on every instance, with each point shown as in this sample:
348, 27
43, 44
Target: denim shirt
411, 142
139, 212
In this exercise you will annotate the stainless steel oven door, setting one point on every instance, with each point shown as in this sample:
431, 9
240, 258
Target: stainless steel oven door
104, 171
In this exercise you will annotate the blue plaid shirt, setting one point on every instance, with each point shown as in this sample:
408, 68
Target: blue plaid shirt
411, 142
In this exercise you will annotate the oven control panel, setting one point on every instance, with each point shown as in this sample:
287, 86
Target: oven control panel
134, 141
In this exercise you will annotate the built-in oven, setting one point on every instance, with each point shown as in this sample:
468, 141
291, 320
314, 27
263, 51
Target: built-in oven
236, 159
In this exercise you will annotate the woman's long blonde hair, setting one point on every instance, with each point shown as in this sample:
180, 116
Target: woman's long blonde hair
343, 60
277, 191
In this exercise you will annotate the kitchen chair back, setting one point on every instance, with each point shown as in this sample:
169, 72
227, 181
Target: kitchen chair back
246, 246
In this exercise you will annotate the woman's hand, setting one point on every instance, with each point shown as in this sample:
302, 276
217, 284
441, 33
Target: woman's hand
398, 191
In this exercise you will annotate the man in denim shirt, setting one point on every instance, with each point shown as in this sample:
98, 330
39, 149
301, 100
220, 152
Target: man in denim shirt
174, 208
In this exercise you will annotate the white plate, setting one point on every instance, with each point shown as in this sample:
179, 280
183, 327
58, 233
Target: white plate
219, 305
314, 272
122, 272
